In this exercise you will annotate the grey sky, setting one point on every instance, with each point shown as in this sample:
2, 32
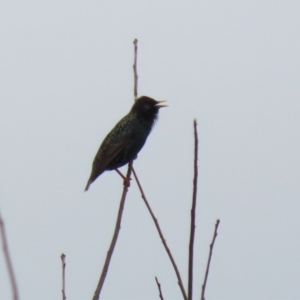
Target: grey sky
66, 79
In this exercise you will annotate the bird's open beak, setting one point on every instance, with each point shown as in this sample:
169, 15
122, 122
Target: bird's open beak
161, 103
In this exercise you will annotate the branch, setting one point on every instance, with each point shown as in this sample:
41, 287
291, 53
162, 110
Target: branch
211, 246
135, 75
9, 266
115, 235
161, 237
63, 266
193, 215
159, 289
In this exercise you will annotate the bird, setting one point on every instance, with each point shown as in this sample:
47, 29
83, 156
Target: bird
127, 138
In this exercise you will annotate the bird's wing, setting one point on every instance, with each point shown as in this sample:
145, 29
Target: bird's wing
113, 150
107, 155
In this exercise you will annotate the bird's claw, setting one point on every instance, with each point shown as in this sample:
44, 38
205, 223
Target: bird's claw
126, 182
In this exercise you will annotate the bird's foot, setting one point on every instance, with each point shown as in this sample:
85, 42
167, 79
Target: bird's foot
126, 180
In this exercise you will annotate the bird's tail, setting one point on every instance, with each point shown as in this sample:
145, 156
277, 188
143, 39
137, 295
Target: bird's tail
88, 185
92, 178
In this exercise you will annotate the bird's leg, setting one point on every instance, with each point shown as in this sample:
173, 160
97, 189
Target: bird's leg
126, 181
117, 170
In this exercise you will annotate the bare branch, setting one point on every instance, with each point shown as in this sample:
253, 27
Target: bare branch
63, 266
159, 289
161, 237
211, 246
135, 74
193, 215
115, 235
9, 266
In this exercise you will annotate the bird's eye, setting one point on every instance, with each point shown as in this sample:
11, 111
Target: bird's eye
147, 106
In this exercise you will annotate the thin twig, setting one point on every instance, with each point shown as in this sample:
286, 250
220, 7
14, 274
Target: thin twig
9, 266
63, 267
115, 236
135, 74
161, 237
193, 215
211, 246
159, 289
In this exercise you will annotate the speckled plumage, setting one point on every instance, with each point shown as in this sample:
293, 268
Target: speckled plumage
127, 138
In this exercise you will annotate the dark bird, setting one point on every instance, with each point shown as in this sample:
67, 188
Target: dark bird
127, 138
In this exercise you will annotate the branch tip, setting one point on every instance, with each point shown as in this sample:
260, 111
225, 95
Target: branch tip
211, 246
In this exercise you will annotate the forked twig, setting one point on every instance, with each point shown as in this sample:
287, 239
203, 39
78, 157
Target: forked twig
211, 246
63, 266
135, 74
115, 236
159, 289
193, 215
161, 237
9, 266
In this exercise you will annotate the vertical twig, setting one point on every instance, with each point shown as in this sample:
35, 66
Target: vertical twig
63, 267
211, 246
193, 215
123, 198
161, 237
115, 236
135, 74
9, 266
159, 289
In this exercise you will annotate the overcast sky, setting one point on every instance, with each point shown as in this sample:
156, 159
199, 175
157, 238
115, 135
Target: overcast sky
66, 79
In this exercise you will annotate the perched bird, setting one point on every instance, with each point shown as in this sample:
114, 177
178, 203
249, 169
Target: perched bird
127, 138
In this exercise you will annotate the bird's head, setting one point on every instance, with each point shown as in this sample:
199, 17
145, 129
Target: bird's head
147, 107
